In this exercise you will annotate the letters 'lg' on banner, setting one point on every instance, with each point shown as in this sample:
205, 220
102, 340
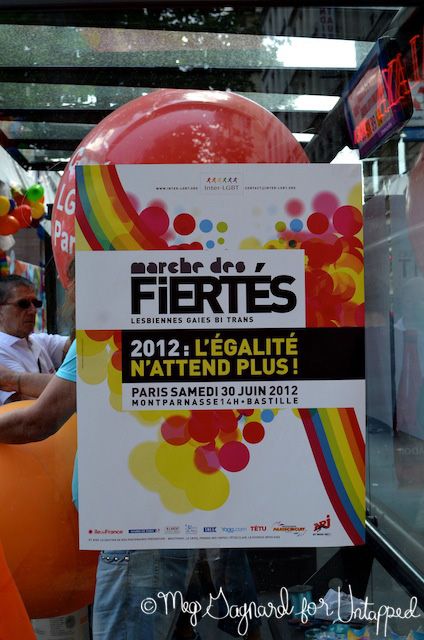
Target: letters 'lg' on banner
220, 317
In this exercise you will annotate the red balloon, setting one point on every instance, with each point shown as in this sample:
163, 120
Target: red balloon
18, 197
8, 225
172, 126
23, 215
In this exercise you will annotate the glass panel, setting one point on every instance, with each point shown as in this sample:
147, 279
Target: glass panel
385, 591
395, 339
17, 129
41, 155
42, 96
33, 46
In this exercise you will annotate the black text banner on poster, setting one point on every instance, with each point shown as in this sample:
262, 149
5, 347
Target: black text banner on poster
248, 354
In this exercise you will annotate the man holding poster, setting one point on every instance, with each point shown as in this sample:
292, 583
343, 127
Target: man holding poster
218, 363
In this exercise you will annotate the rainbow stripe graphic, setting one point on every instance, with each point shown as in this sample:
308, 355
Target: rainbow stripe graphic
105, 214
339, 451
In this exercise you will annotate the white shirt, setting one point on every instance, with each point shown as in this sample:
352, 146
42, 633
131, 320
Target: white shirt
40, 353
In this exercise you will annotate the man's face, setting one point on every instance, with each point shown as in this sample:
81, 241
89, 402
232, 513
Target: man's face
13, 319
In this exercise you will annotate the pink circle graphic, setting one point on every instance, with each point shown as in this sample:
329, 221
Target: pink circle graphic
325, 201
156, 220
295, 207
175, 431
347, 220
234, 456
206, 458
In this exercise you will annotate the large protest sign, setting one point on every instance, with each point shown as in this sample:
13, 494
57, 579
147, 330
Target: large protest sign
220, 317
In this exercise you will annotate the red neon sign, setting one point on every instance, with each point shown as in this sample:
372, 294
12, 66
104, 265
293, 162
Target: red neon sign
391, 88
379, 100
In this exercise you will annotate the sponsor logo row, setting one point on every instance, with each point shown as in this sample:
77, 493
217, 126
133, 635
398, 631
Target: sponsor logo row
319, 528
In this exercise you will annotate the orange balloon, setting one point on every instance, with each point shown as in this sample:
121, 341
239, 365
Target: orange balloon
14, 621
172, 126
8, 225
39, 524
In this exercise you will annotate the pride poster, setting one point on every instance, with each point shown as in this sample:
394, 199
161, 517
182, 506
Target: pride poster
220, 318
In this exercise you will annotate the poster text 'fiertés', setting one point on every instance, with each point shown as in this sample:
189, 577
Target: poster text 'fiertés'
183, 287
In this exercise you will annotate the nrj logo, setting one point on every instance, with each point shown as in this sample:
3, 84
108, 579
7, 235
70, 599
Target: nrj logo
322, 524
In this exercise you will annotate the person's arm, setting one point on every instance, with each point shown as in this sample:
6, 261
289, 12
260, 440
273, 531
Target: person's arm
43, 418
22, 383
66, 347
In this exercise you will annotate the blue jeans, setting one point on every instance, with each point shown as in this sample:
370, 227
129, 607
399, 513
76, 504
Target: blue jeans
230, 570
125, 579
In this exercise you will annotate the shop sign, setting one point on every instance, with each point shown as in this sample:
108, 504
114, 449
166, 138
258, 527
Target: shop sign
378, 100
